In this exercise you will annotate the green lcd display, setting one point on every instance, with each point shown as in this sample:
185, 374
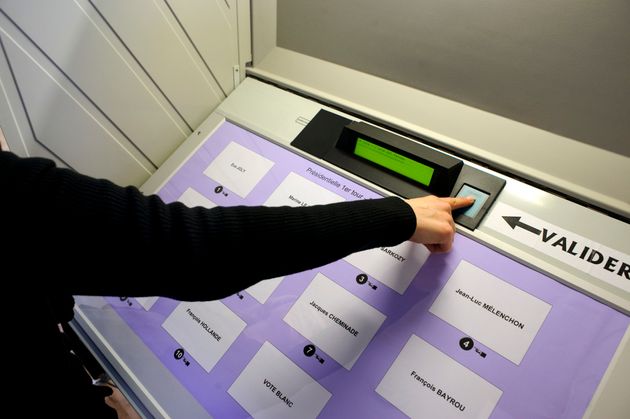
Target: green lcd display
393, 161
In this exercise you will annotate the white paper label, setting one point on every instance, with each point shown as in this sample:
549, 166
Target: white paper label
583, 254
272, 387
394, 266
335, 320
296, 191
262, 290
147, 302
497, 314
204, 329
425, 383
191, 198
238, 169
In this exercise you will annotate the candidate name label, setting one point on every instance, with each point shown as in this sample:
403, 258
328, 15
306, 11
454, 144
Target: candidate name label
296, 191
497, 314
206, 330
396, 266
335, 320
191, 198
238, 168
147, 302
424, 382
262, 290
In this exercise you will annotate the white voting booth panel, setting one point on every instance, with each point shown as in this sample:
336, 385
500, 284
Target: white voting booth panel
485, 330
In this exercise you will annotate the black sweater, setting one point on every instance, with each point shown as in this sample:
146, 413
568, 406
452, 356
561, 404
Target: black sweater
64, 233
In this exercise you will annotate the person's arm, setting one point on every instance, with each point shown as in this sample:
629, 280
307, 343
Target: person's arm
84, 228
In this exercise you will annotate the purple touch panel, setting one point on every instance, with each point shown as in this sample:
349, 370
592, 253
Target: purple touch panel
556, 378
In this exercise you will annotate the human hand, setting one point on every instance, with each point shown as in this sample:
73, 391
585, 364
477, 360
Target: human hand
120, 404
435, 227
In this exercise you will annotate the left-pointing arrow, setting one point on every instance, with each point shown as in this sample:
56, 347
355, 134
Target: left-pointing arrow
516, 222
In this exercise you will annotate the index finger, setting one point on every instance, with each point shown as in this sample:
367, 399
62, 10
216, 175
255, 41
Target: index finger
460, 201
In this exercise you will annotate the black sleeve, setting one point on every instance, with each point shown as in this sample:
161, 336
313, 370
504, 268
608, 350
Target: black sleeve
102, 239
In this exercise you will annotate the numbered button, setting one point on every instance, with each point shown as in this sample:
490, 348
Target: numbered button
466, 343
309, 350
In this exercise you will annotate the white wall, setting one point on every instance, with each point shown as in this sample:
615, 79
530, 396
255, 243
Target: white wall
111, 87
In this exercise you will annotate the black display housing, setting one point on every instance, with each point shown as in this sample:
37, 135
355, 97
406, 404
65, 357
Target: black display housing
445, 168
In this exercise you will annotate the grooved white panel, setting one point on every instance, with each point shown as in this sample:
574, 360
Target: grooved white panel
67, 126
12, 117
160, 44
13, 120
211, 25
126, 82
74, 37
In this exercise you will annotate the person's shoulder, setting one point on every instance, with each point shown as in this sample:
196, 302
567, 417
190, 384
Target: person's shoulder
7, 155
7, 162
10, 160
